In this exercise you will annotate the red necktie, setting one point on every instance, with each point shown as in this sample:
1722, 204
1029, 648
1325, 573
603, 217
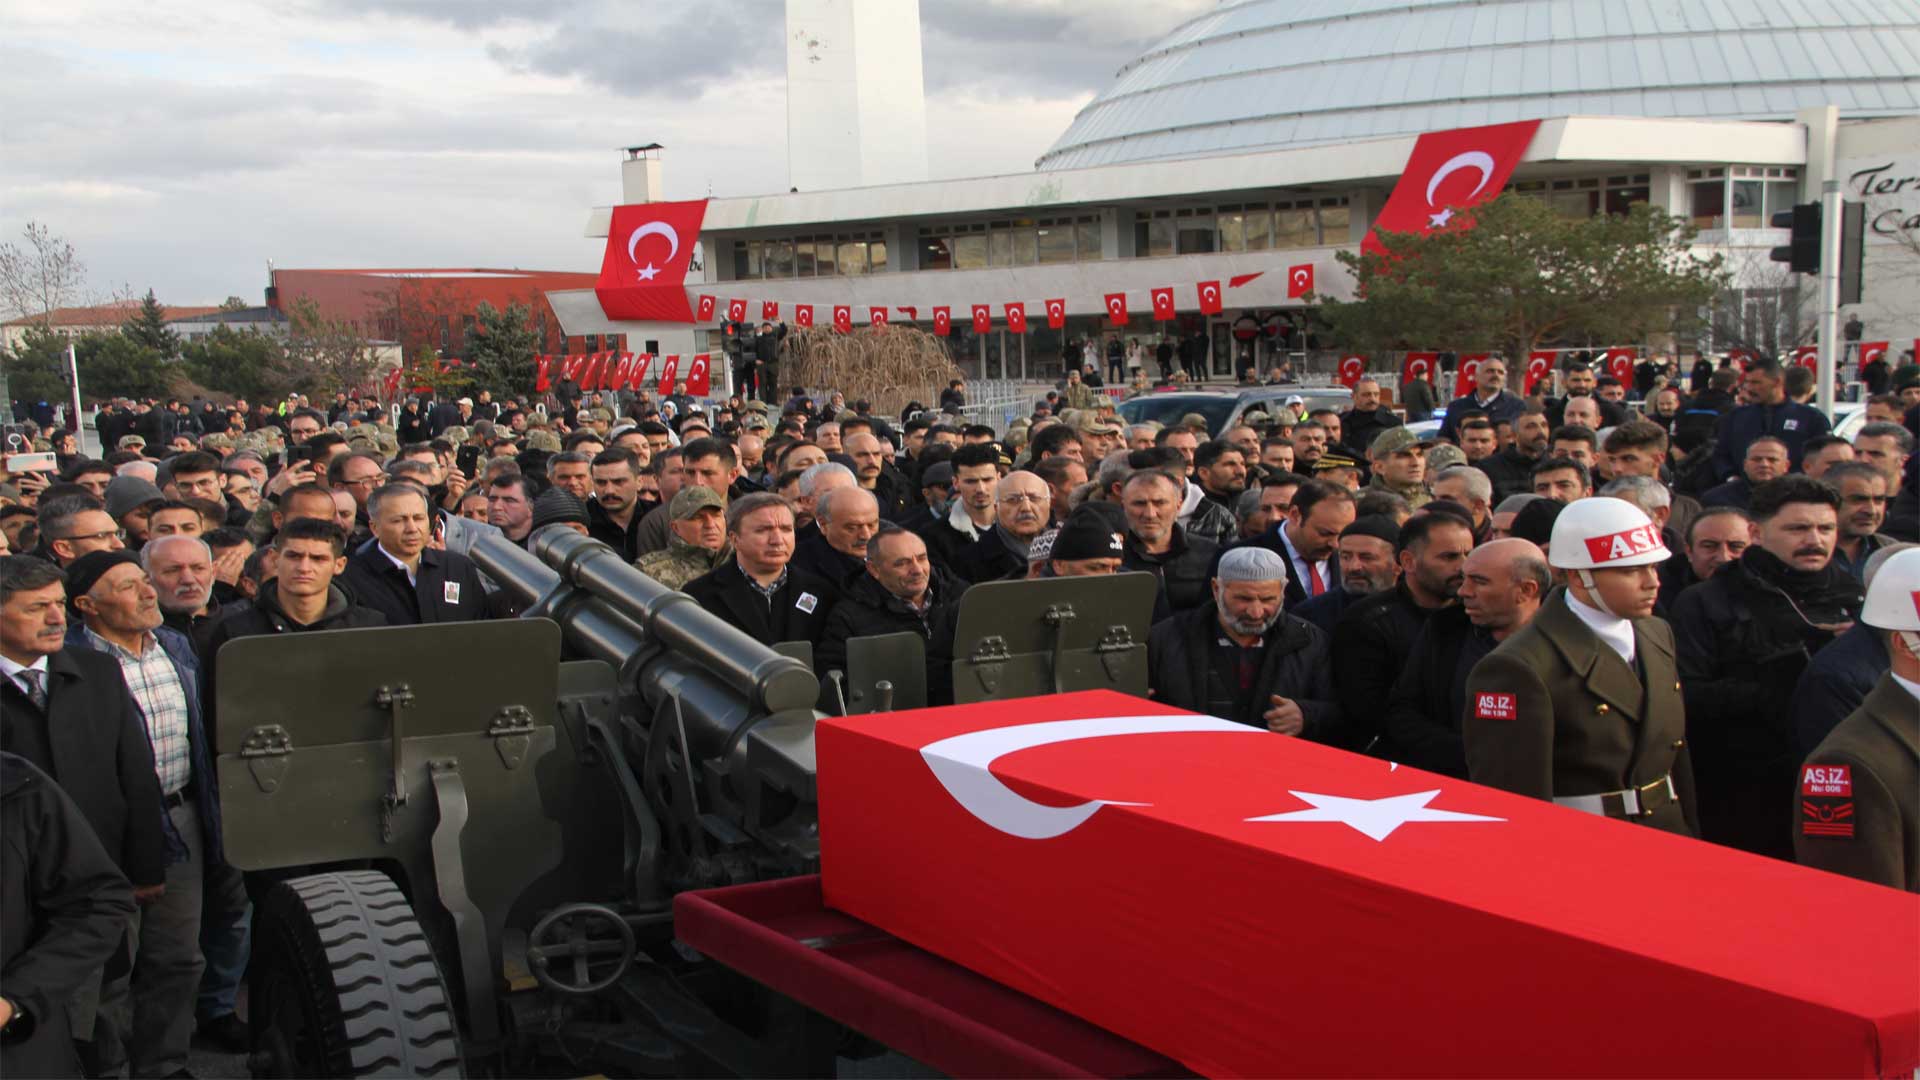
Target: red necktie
1313, 575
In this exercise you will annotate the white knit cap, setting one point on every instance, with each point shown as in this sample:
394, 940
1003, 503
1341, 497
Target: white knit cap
1251, 564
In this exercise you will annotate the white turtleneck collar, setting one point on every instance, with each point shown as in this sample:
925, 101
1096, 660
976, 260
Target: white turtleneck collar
1612, 629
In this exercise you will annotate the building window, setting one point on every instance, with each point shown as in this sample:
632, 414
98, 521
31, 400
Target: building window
852, 257
1193, 231
1055, 240
1335, 221
970, 251
778, 259
877, 256
1295, 225
1088, 245
936, 253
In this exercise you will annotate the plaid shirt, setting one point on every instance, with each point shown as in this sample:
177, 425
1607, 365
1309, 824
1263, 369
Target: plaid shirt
155, 683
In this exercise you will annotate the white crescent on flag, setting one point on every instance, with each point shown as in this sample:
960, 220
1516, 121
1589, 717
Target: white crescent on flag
1471, 159
1113, 305
652, 228
1211, 293
1054, 309
1300, 276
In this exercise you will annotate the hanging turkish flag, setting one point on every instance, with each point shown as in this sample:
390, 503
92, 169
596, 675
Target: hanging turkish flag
669, 371
912, 313
1539, 364
1871, 351
621, 370
1017, 317
1210, 303
1807, 356
595, 368
1619, 364
1299, 280
803, 315
877, 316
943, 321
1450, 171
648, 248
704, 313
842, 318
736, 310
982, 318
769, 310
637, 377
1162, 304
1117, 308
1467, 378
542, 375
1419, 365
392, 380
1056, 314
699, 375
1352, 370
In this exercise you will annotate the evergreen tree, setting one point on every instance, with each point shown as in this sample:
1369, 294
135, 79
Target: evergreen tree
500, 354
148, 327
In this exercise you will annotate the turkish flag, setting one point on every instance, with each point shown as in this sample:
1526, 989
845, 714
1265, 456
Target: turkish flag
1017, 317
637, 377
912, 313
1807, 356
1539, 364
595, 367
769, 310
622, 370
1450, 171
1117, 308
842, 318
877, 316
392, 380
669, 371
943, 321
1619, 364
542, 375
736, 310
803, 315
1056, 314
1871, 351
699, 375
705, 311
1162, 304
1064, 824
1352, 370
1299, 280
648, 248
1210, 303
1466, 378
1419, 365
982, 318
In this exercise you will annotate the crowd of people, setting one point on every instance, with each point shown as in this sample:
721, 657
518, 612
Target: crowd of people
1692, 611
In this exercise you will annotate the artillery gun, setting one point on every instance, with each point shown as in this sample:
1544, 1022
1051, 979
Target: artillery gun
465, 839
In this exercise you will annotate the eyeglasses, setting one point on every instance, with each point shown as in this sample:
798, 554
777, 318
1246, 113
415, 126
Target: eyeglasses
1020, 499
110, 534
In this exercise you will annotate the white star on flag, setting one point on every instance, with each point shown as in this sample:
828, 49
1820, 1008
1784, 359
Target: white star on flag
647, 272
1439, 220
1377, 818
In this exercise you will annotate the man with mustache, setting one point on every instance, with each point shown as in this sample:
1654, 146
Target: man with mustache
1744, 637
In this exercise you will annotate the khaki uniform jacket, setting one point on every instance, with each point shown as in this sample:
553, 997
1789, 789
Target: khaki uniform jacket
1868, 825
681, 562
1553, 711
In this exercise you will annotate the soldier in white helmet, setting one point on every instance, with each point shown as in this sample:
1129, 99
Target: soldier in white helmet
1582, 705
1858, 802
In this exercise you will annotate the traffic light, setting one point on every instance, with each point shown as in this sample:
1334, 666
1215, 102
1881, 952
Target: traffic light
1803, 254
1853, 226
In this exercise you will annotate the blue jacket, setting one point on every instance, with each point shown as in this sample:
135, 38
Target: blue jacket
1836, 681
1790, 423
1505, 406
206, 782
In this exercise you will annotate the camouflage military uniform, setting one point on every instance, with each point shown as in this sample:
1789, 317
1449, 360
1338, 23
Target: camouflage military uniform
680, 562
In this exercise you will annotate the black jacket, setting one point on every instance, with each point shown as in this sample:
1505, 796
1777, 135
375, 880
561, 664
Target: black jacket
608, 531
1790, 423
987, 559
1423, 713
867, 609
797, 612
1358, 429
1511, 472
812, 553
92, 740
1371, 643
1742, 644
64, 906
412, 427
944, 542
1293, 664
1735, 492
1324, 610
1183, 570
1835, 683
1504, 406
446, 588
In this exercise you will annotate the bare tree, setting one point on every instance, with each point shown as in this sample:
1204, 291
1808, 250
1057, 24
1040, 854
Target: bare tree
1766, 309
43, 275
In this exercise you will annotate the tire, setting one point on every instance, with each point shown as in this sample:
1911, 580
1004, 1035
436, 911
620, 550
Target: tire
344, 983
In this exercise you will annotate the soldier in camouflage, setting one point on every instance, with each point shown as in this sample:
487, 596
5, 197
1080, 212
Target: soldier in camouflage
698, 540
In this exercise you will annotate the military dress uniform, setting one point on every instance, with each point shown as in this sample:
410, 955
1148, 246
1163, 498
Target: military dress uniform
1555, 713
1857, 806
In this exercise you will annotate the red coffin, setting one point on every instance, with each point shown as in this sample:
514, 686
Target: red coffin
1251, 904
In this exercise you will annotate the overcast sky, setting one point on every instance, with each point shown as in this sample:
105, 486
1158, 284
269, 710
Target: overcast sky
182, 146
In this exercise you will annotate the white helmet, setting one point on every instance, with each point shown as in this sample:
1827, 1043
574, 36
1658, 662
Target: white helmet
1893, 600
1603, 533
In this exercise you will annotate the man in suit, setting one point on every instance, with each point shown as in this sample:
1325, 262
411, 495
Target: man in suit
1582, 705
1308, 538
757, 590
69, 713
402, 578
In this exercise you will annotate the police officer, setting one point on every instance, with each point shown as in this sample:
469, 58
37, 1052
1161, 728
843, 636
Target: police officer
1858, 805
1582, 705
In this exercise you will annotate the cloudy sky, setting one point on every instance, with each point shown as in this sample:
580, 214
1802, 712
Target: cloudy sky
183, 146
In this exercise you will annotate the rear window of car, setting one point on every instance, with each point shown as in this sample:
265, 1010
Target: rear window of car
1169, 409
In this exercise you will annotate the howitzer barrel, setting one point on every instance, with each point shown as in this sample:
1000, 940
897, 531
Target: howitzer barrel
624, 599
